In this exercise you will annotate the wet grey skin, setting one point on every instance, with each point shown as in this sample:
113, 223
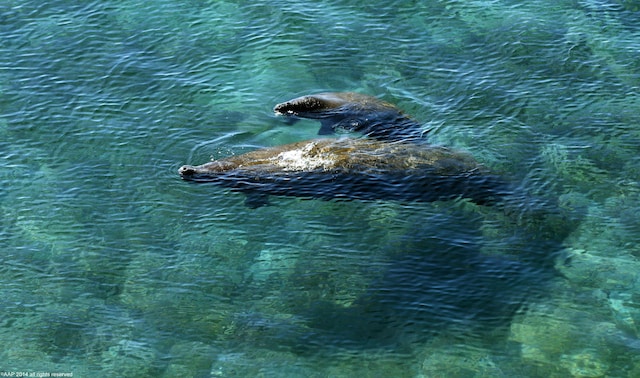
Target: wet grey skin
350, 111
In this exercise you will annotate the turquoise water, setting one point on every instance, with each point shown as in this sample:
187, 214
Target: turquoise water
110, 265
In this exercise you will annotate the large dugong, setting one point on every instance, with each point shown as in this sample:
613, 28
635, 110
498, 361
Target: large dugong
355, 169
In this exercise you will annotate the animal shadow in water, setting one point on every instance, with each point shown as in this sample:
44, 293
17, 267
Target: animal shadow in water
438, 282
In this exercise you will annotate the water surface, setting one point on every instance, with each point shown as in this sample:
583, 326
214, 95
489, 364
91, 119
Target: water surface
113, 266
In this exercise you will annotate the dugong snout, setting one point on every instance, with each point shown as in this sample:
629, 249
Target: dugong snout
187, 170
206, 172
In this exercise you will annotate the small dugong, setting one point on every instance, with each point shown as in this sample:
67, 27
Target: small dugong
353, 112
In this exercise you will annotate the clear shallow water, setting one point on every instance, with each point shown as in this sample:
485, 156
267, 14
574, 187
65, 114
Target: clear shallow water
111, 265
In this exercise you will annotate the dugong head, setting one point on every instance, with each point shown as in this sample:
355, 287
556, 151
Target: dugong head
205, 172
